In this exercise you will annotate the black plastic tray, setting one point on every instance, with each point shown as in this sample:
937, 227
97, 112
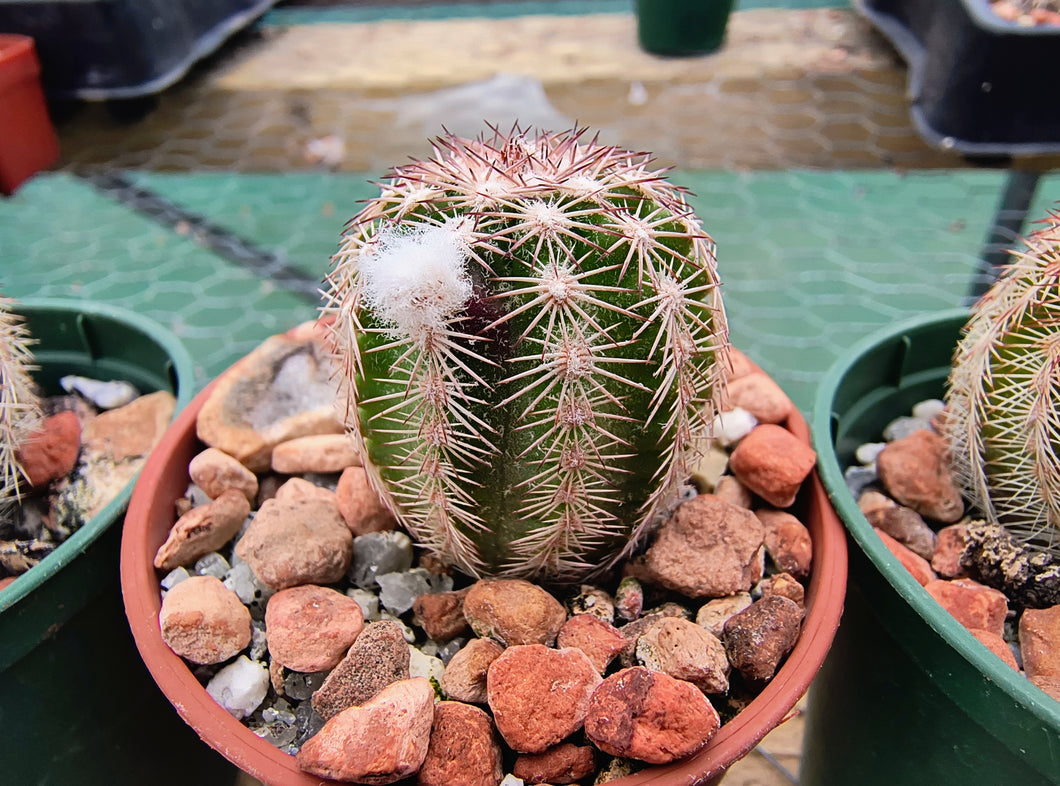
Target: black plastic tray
979, 85
113, 49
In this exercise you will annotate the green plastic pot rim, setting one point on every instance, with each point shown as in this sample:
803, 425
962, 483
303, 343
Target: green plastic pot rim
227, 735
184, 372
858, 528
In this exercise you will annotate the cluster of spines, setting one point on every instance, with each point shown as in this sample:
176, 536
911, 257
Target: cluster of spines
549, 207
19, 405
1003, 398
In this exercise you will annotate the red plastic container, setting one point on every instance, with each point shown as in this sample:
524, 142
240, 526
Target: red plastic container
27, 138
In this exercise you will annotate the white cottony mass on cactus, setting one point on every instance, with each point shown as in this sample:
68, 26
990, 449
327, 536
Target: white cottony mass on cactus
531, 341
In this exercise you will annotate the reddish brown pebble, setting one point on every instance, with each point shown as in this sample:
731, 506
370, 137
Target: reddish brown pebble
513, 611
292, 543
772, 462
907, 527
761, 396
1039, 635
463, 750
297, 489
785, 585
918, 567
214, 471
565, 763
381, 741
915, 470
378, 657
996, 645
1051, 685
360, 505
204, 621
203, 529
708, 548
50, 452
730, 490
685, 651
314, 453
972, 604
597, 638
465, 675
538, 695
129, 432
758, 638
645, 715
788, 542
310, 628
949, 545
441, 615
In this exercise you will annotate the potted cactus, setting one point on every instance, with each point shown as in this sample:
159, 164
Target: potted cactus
530, 348
975, 716
61, 625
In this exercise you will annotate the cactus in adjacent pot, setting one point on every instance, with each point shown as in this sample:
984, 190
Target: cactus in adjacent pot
532, 339
1003, 398
19, 406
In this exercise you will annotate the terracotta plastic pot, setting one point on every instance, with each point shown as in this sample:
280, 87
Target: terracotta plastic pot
908, 695
150, 517
27, 139
76, 704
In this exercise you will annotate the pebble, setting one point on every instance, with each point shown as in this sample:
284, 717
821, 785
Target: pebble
296, 489
240, 687
562, 764
685, 651
731, 490
360, 506
203, 529
918, 567
281, 390
904, 426
539, 696
381, 741
214, 471
629, 599
378, 657
758, 394
129, 432
378, 553
291, 543
594, 636
731, 426
788, 542
759, 637
907, 527
310, 628
708, 548
996, 645
949, 545
785, 585
463, 749
595, 601
325, 453
103, 394
858, 478
465, 675
772, 462
441, 615
972, 604
1039, 637
423, 665
715, 613
513, 612
640, 714
867, 453
50, 452
707, 469
204, 622
915, 471
398, 591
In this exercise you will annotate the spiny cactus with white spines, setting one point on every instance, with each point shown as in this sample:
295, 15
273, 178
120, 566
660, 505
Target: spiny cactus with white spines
19, 406
531, 339
1003, 397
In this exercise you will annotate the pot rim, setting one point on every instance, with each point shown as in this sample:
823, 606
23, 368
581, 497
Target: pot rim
140, 590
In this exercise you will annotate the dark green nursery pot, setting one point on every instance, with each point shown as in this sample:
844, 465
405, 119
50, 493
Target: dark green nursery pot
76, 703
682, 27
907, 695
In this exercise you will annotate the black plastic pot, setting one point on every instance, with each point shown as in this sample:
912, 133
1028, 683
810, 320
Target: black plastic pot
979, 85
77, 705
907, 695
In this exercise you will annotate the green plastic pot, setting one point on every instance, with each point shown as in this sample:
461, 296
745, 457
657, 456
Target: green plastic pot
682, 27
907, 695
76, 704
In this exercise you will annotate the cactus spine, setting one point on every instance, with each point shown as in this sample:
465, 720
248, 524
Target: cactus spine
1003, 398
532, 338
19, 406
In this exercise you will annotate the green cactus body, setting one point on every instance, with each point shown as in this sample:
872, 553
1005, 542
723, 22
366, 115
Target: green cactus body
1003, 397
532, 338
19, 406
